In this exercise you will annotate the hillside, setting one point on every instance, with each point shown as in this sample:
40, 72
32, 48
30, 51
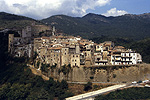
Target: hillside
127, 94
12, 21
93, 25
18, 83
143, 47
89, 26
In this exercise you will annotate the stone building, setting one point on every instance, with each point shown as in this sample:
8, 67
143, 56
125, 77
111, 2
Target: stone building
65, 56
55, 56
10, 42
75, 60
18, 47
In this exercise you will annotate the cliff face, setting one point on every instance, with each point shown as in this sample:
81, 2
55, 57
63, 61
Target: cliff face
105, 73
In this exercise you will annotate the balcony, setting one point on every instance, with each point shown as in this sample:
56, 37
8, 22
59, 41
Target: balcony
126, 56
101, 61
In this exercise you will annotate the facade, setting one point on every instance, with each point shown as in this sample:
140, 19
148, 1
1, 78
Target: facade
55, 56
75, 60
10, 42
125, 57
19, 48
65, 56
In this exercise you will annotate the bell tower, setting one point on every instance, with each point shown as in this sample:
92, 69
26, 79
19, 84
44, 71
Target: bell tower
53, 31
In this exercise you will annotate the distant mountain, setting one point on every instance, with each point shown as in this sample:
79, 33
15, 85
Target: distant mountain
7, 16
94, 25
14, 21
89, 26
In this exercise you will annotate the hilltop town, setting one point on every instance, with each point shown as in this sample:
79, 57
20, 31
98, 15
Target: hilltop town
68, 64
61, 49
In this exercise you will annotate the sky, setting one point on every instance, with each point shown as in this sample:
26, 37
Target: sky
40, 9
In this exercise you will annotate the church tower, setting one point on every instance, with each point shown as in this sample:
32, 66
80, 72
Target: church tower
53, 31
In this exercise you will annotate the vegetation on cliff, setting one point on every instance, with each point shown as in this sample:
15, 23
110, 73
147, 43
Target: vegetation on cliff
17, 81
127, 94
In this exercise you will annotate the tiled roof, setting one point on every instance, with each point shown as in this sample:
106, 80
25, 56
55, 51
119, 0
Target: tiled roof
55, 48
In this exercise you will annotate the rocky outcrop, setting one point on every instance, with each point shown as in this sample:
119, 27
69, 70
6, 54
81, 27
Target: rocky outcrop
126, 73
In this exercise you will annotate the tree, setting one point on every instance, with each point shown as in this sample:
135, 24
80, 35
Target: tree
64, 84
88, 86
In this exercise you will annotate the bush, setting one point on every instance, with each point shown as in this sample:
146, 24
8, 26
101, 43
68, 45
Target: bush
88, 86
127, 94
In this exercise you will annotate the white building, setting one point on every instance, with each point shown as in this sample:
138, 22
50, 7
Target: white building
125, 57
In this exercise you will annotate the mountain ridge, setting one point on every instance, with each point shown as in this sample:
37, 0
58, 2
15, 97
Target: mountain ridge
12, 21
8, 16
89, 26
128, 25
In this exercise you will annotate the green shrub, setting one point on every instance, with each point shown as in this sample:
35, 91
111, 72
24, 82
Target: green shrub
88, 86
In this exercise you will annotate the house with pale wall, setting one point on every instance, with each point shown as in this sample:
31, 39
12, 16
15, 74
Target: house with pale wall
103, 53
75, 60
130, 57
18, 47
55, 56
121, 56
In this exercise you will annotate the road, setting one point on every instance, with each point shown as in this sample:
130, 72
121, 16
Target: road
92, 82
37, 72
91, 95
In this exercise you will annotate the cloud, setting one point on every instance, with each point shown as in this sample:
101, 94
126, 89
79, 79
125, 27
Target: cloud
115, 12
44, 8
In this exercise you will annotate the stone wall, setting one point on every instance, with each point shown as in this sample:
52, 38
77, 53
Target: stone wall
120, 73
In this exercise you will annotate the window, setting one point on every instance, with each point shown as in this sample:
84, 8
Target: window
85, 54
77, 56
